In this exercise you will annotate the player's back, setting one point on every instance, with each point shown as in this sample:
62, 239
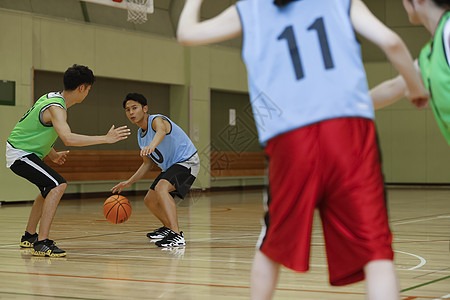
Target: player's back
31, 134
304, 64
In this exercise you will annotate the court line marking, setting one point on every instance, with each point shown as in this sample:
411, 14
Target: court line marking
405, 241
184, 283
415, 218
425, 283
418, 220
43, 295
422, 260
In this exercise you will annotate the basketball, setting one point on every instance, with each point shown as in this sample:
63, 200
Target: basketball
117, 209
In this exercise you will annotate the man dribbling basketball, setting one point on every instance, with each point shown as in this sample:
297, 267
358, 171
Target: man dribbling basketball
164, 142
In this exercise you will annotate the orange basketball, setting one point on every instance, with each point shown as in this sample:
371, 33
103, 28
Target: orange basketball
117, 209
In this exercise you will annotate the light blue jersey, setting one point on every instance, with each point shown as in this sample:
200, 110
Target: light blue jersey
304, 64
175, 147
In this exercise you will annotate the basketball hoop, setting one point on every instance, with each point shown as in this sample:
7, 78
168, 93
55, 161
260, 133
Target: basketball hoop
137, 10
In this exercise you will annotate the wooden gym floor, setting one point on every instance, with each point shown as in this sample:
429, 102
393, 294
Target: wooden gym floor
107, 261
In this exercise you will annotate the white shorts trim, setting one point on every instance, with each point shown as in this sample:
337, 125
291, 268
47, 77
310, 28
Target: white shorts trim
192, 163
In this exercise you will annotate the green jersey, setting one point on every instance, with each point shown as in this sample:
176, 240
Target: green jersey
435, 70
31, 134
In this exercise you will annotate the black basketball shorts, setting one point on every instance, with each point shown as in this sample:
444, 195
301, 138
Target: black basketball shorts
181, 176
32, 168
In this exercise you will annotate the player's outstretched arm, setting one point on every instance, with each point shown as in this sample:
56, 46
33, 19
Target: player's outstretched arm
192, 32
161, 127
388, 92
366, 24
144, 168
392, 90
58, 118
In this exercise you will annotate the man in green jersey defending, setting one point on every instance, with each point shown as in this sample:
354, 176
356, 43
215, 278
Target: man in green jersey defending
32, 139
433, 63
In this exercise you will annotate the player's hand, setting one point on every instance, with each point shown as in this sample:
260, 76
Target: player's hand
59, 157
147, 150
418, 96
117, 134
420, 102
119, 187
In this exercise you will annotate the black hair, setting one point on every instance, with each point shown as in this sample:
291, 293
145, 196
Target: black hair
280, 3
135, 97
442, 3
77, 75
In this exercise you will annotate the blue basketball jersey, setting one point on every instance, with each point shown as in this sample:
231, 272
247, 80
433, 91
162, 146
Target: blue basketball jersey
304, 64
175, 147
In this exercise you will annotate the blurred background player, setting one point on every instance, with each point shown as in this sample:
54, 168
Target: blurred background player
32, 139
433, 63
303, 59
170, 148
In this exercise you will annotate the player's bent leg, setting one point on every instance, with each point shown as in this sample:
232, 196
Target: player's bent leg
174, 238
52, 186
44, 246
30, 236
49, 209
381, 280
165, 200
35, 214
264, 277
152, 203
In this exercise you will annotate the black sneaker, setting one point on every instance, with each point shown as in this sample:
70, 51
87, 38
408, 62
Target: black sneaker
173, 239
47, 248
159, 233
28, 240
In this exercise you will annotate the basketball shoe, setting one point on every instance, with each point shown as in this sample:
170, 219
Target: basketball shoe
28, 240
173, 239
47, 248
159, 233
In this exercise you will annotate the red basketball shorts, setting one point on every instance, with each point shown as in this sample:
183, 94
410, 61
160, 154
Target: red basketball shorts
333, 165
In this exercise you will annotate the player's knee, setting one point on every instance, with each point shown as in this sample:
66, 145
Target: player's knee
62, 187
150, 197
162, 188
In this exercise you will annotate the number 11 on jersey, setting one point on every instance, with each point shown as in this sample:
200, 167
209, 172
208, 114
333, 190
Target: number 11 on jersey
289, 36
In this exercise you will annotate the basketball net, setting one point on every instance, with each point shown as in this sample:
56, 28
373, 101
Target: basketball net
137, 10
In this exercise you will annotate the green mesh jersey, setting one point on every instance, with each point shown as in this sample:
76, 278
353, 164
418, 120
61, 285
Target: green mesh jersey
435, 71
31, 134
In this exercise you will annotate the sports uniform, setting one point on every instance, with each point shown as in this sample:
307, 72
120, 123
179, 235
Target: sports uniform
314, 116
434, 62
175, 155
30, 141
